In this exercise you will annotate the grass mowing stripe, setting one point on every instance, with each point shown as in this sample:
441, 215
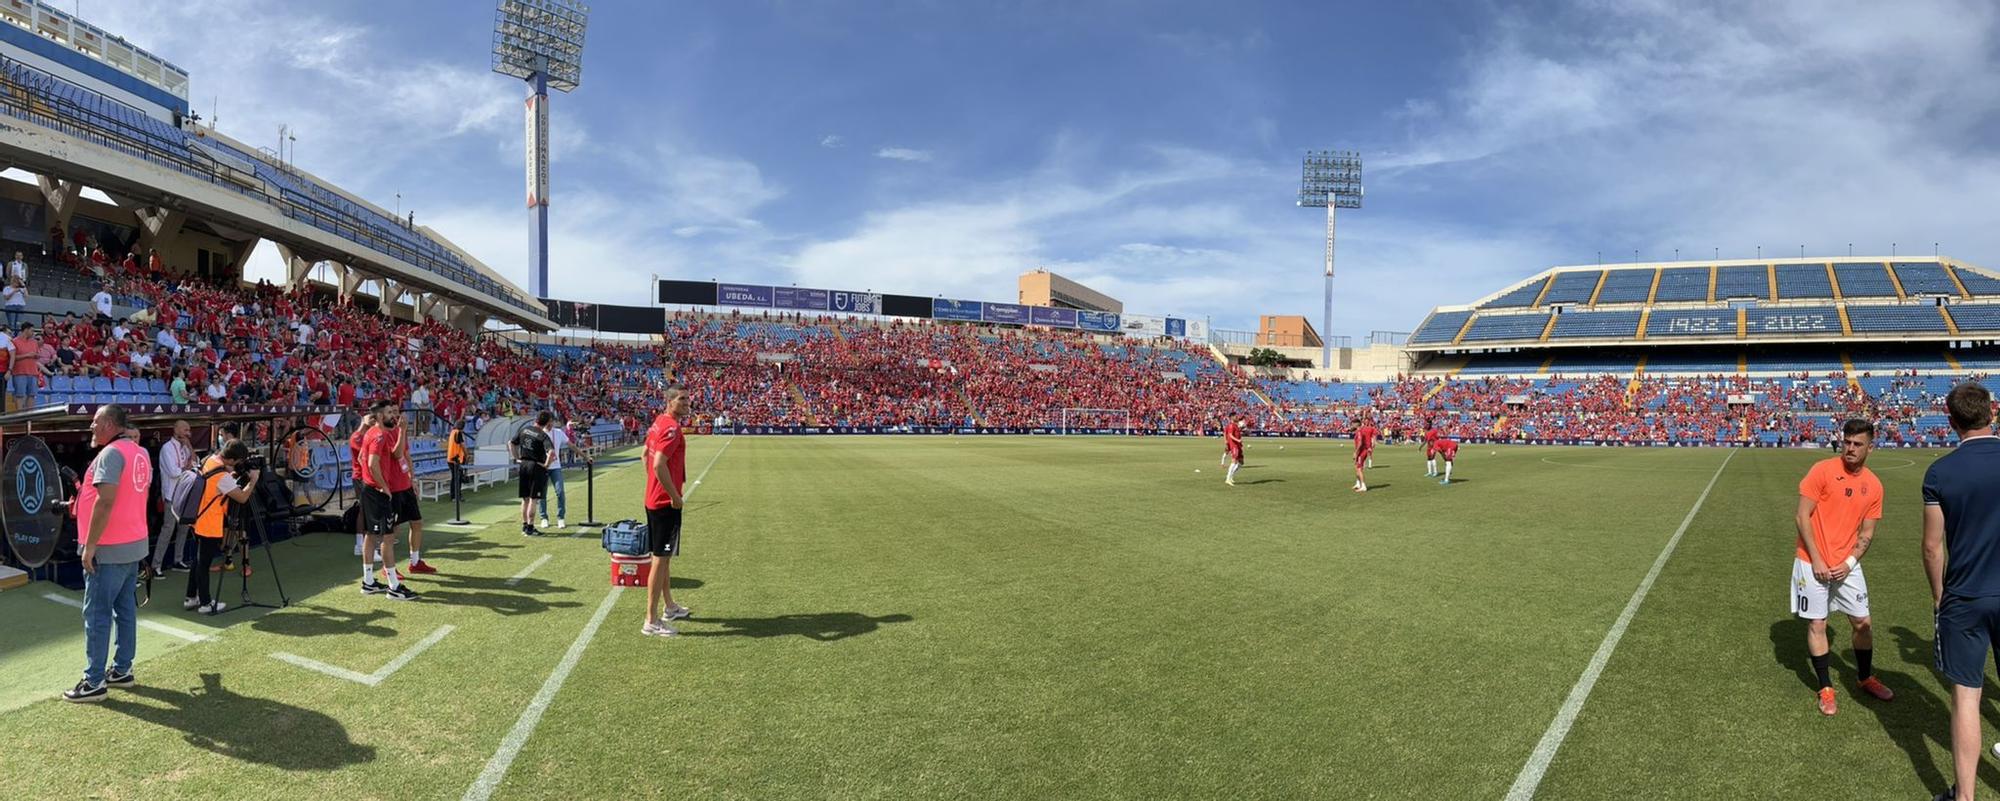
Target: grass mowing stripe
1531, 774
145, 624
529, 569
496, 768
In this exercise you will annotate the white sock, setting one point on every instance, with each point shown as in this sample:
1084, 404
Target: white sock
367, 573
389, 573
1232, 471
414, 558
1431, 466
1447, 471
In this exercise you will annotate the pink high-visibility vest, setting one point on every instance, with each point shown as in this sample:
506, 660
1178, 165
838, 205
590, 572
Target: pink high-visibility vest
128, 510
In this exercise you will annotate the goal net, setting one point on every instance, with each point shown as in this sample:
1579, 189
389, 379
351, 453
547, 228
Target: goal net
1094, 421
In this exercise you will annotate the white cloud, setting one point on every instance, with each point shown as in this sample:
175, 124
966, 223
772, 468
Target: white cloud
903, 154
832, 141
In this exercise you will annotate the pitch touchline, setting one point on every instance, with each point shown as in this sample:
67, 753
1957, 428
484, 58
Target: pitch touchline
496, 768
1531, 774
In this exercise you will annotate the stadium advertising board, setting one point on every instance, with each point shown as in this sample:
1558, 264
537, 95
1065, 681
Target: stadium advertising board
947, 309
1005, 313
1145, 326
1106, 322
906, 306
538, 150
743, 295
790, 297
856, 302
628, 319
1197, 330
687, 293
1057, 318
1176, 328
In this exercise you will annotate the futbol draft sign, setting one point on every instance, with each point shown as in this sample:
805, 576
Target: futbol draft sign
31, 500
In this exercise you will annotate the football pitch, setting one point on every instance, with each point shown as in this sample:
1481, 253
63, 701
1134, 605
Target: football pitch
1014, 617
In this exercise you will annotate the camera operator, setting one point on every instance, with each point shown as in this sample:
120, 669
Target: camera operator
226, 483
111, 531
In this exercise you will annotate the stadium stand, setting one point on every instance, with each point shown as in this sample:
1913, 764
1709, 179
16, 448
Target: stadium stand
1798, 281
1488, 327
1594, 325
1572, 287
1872, 319
1743, 281
1626, 286
1682, 284
1864, 280
1522, 296
1925, 278
1440, 326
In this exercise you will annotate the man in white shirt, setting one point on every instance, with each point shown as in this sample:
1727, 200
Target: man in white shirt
166, 339
18, 268
120, 332
177, 471
559, 446
102, 301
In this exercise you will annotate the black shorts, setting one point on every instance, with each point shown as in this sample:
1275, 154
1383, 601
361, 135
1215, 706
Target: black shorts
534, 481
1967, 629
663, 531
407, 509
378, 511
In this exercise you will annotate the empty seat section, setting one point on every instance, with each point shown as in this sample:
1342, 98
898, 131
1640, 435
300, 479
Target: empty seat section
1691, 360
1864, 280
1683, 283
1924, 278
1498, 327
1742, 281
1522, 296
1975, 317
1439, 327
1626, 286
1978, 283
1572, 287
1779, 321
1586, 325
1894, 318
1803, 281
1691, 323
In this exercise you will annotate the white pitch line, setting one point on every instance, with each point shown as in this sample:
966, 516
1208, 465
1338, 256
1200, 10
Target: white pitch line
1531, 773
144, 624
529, 569
496, 768
370, 679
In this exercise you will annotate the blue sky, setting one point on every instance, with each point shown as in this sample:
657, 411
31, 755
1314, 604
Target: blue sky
1149, 149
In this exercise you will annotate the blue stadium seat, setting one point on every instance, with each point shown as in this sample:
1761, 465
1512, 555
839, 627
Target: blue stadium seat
1499, 327
1924, 278
100, 385
1743, 281
1626, 286
1691, 322
1978, 283
1682, 284
121, 385
1784, 321
59, 383
1798, 281
1523, 295
1572, 287
1441, 326
1920, 317
1975, 317
1864, 280
1595, 324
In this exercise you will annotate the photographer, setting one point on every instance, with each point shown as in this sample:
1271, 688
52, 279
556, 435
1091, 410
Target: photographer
177, 477
226, 483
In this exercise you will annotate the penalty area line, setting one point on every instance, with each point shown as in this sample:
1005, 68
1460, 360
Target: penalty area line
1530, 777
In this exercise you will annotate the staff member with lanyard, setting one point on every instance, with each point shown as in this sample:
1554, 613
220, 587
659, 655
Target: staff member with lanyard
111, 529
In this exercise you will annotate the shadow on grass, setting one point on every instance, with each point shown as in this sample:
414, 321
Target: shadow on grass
254, 730
1261, 481
460, 549
1918, 721
822, 626
307, 620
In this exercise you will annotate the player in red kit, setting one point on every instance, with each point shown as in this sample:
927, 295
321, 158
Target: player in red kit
1430, 450
1364, 449
1447, 448
1232, 447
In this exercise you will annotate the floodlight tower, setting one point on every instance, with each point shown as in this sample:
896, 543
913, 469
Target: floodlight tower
541, 42
1330, 179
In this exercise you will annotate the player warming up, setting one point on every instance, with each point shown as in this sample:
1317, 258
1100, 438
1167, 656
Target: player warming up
1232, 448
1445, 448
1364, 453
1839, 502
1430, 450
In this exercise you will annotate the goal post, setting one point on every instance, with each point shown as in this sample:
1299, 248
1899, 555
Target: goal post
1094, 421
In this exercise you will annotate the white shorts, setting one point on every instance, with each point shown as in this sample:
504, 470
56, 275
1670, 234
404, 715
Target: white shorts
1810, 596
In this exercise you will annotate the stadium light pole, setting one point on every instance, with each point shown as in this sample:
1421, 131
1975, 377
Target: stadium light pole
541, 42
1329, 179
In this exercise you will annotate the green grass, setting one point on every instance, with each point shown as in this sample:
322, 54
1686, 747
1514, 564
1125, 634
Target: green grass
1046, 618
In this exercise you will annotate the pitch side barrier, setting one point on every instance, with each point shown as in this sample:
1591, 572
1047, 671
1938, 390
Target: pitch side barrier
1171, 432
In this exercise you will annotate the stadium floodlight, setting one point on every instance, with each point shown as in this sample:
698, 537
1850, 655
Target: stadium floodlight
541, 42
1329, 179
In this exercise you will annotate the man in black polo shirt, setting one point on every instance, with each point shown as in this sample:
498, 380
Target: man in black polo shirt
535, 452
1962, 558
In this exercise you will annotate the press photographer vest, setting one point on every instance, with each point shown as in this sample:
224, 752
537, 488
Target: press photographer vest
128, 506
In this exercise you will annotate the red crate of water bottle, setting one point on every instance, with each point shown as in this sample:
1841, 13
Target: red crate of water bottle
631, 571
